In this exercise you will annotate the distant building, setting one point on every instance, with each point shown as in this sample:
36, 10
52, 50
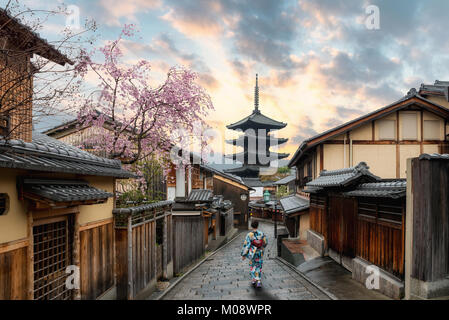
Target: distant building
256, 147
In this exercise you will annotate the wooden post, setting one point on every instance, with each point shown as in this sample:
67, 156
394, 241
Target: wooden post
154, 253
76, 251
206, 233
30, 253
130, 258
164, 247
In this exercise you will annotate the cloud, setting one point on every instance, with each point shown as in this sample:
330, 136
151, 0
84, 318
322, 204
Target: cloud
113, 10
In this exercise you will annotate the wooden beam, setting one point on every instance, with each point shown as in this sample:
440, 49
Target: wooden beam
321, 157
76, 254
95, 224
421, 148
14, 245
30, 255
398, 151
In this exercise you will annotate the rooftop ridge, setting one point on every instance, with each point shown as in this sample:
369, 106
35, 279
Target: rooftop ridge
52, 148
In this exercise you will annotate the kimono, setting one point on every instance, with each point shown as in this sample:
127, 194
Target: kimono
254, 254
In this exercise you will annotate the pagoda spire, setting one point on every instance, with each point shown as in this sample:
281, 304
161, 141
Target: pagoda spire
256, 95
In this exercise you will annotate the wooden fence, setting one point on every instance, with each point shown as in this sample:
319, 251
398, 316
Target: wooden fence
318, 212
380, 234
136, 248
227, 222
188, 240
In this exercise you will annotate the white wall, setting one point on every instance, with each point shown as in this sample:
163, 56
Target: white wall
171, 193
180, 182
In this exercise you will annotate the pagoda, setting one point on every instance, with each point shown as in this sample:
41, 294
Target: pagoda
256, 141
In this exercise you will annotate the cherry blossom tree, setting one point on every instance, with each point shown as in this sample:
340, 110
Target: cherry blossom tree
141, 118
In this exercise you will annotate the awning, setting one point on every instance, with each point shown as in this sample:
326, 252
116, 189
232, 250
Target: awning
293, 204
62, 191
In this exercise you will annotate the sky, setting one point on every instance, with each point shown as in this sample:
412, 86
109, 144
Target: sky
319, 64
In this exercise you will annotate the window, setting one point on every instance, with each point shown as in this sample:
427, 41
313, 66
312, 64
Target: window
4, 124
387, 129
4, 204
431, 130
409, 126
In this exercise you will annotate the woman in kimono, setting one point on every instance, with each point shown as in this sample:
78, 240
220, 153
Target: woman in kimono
253, 248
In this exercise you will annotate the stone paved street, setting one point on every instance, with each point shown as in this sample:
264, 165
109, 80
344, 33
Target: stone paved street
226, 276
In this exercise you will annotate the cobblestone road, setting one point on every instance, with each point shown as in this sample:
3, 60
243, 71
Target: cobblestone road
226, 276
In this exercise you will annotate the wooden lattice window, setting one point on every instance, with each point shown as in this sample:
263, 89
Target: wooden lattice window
52, 255
4, 204
388, 211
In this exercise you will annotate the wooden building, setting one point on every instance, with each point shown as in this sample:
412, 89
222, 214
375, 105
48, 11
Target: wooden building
384, 138
56, 200
58, 203
295, 211
181, 182
358, 219
200, 221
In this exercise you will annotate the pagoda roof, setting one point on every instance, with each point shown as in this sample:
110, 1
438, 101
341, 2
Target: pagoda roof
240, 140
243, 155
245, 171
257, 120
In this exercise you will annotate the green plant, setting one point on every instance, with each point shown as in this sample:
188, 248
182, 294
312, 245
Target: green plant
282, 191
283, 170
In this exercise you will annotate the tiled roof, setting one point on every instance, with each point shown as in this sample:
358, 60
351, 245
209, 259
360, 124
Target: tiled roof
255, 182
200, 195
257, 119
51, 155
63, 190
285, 180
292, 204
30, 39
384, 189
434, 156
224, 174
438, 88
252, 155
343, 177
220, 203
142, 208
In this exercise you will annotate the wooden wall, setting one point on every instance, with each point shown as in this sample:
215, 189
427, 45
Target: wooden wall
430, 188
13, 271
96, 260
188, 240
232, 193
381, 232
318, 214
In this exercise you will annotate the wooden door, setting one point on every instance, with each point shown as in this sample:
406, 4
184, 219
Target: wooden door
342, 225
52, 255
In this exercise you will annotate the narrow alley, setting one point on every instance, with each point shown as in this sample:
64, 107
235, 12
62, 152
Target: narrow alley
225, 276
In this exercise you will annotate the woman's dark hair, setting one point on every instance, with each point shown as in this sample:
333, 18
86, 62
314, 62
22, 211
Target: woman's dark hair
254, 224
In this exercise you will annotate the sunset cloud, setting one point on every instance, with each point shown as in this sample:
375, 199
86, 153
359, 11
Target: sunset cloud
318, 64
